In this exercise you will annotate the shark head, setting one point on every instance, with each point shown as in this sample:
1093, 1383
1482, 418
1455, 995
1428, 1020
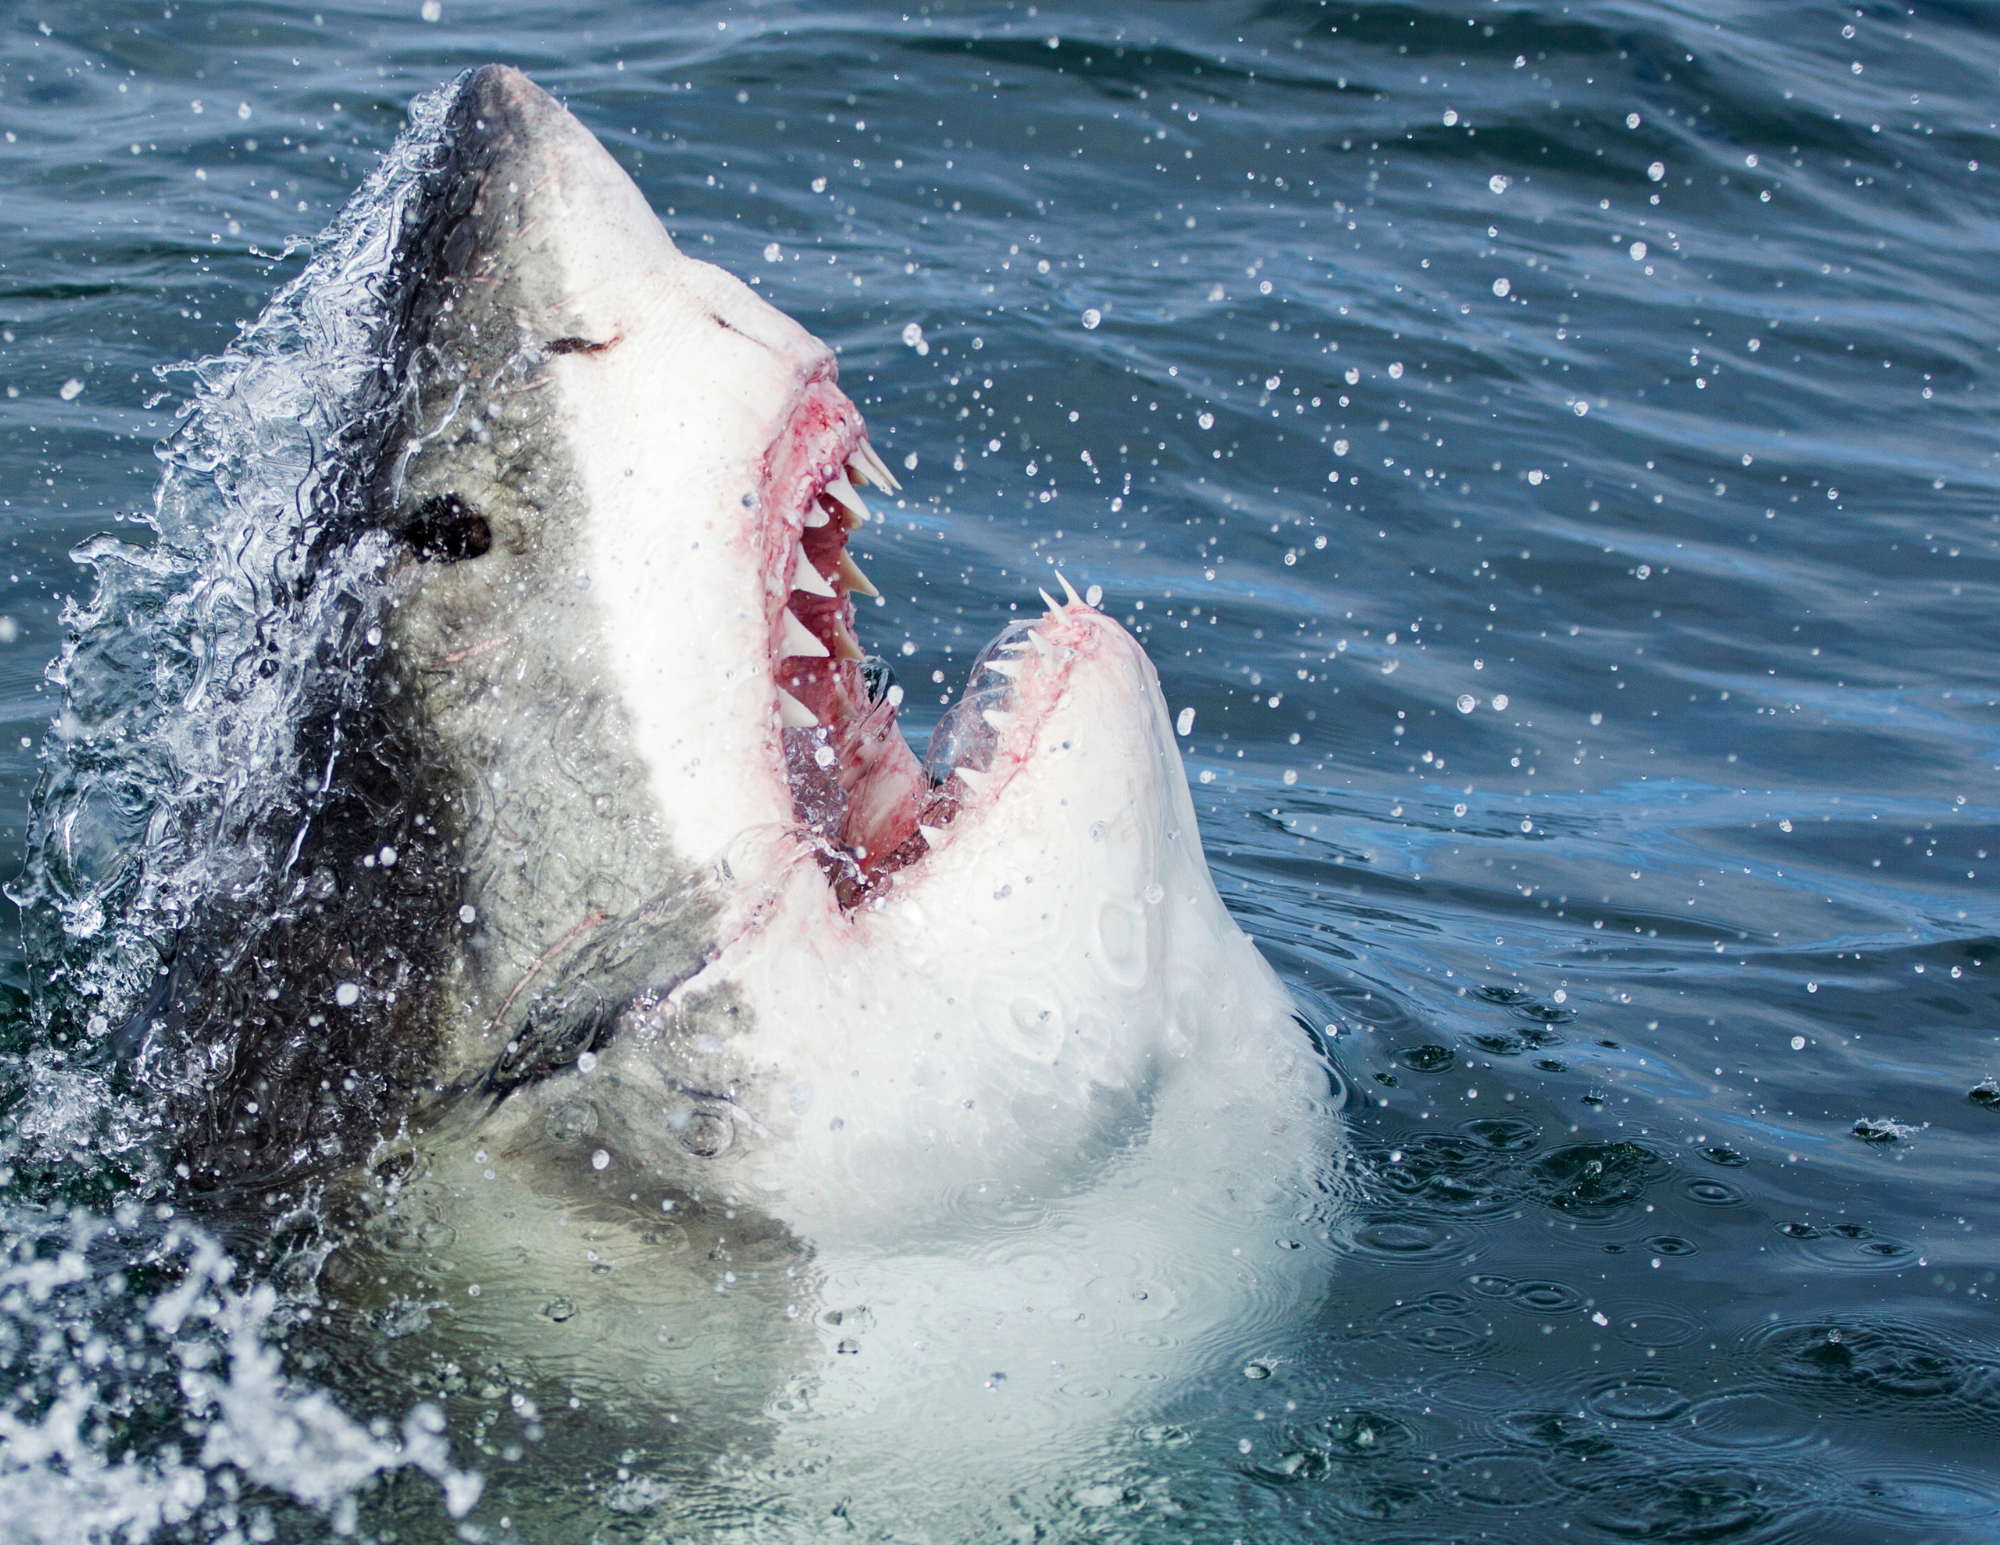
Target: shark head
716, 911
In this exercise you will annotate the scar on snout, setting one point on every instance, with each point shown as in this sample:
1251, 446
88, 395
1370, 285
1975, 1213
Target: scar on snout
474, 651
582, 345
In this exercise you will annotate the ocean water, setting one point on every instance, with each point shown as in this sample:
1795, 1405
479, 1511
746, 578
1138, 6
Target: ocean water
1552, 453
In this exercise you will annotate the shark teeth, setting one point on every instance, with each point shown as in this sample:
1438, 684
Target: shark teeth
799, 639
1050, 601
815, 517
1003, 722
1068, 590
807, 577
873, 468
974, 781
933, 835
852, 577
844, 645
843, 493
793, 714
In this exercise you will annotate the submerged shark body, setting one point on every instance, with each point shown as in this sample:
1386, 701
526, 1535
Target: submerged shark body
635, 971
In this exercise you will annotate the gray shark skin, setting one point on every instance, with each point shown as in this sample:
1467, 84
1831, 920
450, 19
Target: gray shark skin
633, 1017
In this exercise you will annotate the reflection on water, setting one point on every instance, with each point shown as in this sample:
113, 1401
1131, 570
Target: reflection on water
1549, 452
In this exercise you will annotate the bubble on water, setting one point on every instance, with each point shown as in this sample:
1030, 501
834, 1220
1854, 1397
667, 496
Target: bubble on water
1091, 317
431, 10
1205, 419
909, 463
1657, 171
913, 334
347, 995
1581, 407
600, 1160
773, 252
70, 390
1290, 777
1467, 702
1185, 723
1396, 371
1450, 117
468, 914
1497, 183
1502, 286
1637, 251
1271, 383
1798, 1043
1155, 894
819, 185
1631, 120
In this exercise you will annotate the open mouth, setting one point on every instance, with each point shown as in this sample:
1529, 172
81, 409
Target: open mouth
867, 805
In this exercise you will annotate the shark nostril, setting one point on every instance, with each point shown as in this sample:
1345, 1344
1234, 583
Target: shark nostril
445, 529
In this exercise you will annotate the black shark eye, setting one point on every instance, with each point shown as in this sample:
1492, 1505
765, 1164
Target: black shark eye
445, 529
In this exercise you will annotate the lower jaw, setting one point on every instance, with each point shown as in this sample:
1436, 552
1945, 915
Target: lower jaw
864, 801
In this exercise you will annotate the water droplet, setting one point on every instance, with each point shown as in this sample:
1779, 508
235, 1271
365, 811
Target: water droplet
600, 1160
1091, 317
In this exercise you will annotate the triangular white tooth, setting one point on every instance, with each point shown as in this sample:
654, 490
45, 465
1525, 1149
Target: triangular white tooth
933, 835
973, 780
1050, 601
878, 469
815, 516
844, 494
861, 472
1069, 590
793, 714
807, 577
1011, 669
852, 577
1003, 722
799, 640
1044, 650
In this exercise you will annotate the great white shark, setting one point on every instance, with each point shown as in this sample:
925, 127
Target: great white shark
631, 968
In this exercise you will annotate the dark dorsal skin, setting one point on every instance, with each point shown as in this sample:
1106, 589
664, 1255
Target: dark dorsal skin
430, 797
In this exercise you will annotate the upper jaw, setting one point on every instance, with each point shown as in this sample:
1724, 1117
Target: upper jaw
864, 805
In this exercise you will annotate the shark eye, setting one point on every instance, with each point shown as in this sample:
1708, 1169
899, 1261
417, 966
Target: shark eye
445, 529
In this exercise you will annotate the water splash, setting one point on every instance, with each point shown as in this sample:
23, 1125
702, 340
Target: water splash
146, 1394
174, 776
